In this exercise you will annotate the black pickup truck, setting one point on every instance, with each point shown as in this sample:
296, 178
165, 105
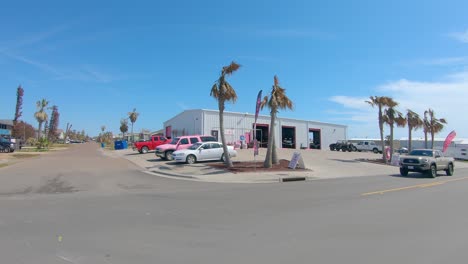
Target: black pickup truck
6, 145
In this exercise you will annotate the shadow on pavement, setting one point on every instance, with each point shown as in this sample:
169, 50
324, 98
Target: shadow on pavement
413, 176
347, 161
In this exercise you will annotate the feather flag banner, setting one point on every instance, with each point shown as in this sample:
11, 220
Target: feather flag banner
448, 140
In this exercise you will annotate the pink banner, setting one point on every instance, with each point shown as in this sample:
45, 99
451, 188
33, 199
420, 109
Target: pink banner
257, 108
449, 139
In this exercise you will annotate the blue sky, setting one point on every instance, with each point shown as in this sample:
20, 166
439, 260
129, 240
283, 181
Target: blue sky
98, 60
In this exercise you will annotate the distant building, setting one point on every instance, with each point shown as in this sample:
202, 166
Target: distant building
239, 129
6, 127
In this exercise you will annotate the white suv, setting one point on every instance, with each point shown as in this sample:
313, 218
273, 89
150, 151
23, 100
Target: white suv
369, 146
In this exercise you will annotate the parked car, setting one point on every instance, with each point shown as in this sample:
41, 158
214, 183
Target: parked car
146, 145
6, 145
426, 161
203, 151
343, 145
368, 146
402, 150
165, 151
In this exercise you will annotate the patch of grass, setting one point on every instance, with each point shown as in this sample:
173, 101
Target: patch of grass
2, 165
24, 156
32, 150
57, 145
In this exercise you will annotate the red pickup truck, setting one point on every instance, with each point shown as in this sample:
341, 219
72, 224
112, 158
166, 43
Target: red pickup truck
147, 145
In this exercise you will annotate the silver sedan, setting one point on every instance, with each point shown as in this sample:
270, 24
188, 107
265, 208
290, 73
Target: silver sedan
203, 151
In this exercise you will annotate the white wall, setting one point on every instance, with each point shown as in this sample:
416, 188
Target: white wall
237, 124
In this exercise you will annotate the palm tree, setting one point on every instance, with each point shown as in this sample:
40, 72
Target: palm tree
393, 117
41, 115
123, 126
222, 91
381, 102
432, 125
414, 122
133, 118
278, 100
101, 136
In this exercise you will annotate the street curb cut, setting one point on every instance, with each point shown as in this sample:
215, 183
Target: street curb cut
172, 174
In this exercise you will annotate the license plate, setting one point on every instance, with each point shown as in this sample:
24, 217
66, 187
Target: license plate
410, 167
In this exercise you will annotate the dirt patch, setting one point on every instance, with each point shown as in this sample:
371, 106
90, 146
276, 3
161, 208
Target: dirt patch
24, 156
250, 166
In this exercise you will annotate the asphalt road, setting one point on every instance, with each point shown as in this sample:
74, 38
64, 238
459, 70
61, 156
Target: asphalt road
79, 206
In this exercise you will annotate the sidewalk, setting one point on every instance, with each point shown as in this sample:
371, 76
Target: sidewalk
320, 165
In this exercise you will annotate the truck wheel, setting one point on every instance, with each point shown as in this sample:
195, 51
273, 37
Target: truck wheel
432, 172
449, 170
354, 148
375, 150
7, 150
144, 150
403, 172
191, 159
169, 155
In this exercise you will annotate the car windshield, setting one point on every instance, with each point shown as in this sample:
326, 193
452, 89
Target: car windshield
174, 141
418, 152
195, 146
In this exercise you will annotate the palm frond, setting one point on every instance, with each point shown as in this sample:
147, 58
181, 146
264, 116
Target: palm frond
214, 91
231, 68
229, 93
264, 102
275, 80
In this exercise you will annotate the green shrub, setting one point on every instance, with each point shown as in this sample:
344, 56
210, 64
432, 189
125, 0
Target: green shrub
43, 143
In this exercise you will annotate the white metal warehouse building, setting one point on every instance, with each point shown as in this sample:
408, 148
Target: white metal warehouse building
238, 129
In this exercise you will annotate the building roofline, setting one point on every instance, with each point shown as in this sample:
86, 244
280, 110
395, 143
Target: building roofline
253, 115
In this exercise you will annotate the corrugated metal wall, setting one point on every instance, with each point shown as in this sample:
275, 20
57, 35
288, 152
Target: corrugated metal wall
186, 123
240, 124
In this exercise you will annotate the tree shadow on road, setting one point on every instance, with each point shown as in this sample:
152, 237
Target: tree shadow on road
412, 176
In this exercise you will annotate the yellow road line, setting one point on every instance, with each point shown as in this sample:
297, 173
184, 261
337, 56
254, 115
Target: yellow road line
423, 185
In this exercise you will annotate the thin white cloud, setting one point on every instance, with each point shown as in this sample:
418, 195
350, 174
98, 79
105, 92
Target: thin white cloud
293, 33
449, 61
460, 36
41, 66
448, 98
33, 38
351, 102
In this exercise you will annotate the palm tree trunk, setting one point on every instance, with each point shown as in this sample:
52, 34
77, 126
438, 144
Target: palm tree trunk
227, 159
133, 136
274, 153
425, 139
384, 157
432, 139
391, 142
39, 130
269, 155
409, 137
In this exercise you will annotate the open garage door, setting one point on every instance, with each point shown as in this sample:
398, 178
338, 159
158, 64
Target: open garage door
315, 138
288, 137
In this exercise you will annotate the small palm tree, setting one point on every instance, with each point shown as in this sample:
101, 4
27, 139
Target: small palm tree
381, 102
278, 100
414, 122
223, 92
433, 125
133, 118
393, 117
41, 115
123, 126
